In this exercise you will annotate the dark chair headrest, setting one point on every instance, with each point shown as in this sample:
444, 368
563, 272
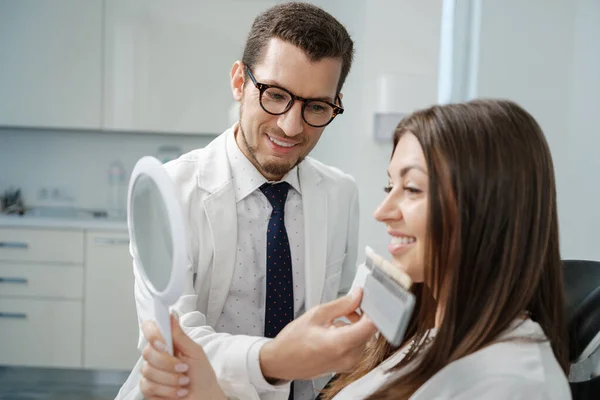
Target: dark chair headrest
582, 287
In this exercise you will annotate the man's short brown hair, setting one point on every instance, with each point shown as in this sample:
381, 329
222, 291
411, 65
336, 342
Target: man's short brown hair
306, 26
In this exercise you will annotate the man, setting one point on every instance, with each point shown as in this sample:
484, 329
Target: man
273, 232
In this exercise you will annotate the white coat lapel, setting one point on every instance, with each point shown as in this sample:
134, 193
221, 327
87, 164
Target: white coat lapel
220, 207
222, 219
314, 206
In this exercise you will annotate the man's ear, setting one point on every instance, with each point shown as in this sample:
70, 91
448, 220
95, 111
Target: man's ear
237, 80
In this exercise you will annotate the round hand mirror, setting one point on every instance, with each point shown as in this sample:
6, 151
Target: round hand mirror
158, 238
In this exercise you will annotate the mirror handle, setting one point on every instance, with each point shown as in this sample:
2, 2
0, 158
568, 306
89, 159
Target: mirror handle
163, 320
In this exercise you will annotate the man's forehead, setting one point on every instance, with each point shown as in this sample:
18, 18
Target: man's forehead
286, 65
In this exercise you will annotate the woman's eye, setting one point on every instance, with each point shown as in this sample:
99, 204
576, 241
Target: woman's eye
387, 188
412, 190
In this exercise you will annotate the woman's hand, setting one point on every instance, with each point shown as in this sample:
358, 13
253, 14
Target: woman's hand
314, 344
187, 375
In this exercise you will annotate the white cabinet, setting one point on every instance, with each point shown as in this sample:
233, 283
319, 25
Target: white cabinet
110, 319
66, 299
167, 66
40, 332
41, 294
51, 68
121, 65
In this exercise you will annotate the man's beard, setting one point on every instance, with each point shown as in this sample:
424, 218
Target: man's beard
274, 168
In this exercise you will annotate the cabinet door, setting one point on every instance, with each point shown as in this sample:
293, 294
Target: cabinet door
40, 332
50, 74
110, 320
167, 67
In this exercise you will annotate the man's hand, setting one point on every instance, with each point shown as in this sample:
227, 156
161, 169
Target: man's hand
314, 345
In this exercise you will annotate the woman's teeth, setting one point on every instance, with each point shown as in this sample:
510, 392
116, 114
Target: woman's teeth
282, 144
397, 240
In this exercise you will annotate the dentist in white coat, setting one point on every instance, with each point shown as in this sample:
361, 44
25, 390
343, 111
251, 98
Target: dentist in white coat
288, 84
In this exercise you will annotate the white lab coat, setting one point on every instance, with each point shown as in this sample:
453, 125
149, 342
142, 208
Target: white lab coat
203, 179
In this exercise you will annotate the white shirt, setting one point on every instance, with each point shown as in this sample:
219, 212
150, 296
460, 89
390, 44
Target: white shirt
244, 310
516, 370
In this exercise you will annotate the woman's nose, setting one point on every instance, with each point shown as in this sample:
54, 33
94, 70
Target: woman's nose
389, 209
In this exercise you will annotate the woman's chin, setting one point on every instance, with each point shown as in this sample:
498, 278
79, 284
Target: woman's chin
415, 274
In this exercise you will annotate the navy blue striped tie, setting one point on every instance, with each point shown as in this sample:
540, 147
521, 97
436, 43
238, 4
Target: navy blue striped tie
279, 305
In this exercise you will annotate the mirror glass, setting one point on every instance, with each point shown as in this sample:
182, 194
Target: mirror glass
152, 232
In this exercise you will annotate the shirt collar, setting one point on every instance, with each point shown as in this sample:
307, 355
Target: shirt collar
246, 178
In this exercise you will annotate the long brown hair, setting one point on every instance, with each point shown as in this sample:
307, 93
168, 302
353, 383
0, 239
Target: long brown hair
492, 247
306, 26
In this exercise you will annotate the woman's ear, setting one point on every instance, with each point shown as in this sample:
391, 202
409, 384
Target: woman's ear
237, 80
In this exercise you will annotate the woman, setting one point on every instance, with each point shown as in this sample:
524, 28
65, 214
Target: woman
471, 211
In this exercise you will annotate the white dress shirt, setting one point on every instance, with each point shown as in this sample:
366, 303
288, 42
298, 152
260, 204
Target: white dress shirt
516, 370
244, 310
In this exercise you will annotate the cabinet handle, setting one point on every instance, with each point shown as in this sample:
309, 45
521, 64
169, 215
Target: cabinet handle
13, 315
111, 241
14, 245
13, 280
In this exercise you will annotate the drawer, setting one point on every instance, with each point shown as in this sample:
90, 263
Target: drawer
41, 333
41, 245
36, 280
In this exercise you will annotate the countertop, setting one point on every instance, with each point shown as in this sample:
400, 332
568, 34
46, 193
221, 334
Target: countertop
25, 221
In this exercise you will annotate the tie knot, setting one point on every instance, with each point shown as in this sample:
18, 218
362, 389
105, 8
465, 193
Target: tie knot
276, 194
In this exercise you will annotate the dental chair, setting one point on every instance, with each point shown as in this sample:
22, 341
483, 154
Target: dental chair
582, 284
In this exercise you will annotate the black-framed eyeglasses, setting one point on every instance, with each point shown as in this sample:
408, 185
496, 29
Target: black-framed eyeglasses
276, 100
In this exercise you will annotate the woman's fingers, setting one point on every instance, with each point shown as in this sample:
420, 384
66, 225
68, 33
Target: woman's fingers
182, 343
162, 360
155, 352
152, 390
163, 374
164, 378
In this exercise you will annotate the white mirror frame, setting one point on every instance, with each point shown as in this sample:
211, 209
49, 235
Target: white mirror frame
154, 169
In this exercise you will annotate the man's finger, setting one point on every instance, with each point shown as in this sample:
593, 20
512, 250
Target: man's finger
343, 306
353, 317
355, 334
339, 324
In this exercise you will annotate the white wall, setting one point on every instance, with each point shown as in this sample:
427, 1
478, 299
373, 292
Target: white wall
545, 55
525, 56
392, 37
581, 220
76, 161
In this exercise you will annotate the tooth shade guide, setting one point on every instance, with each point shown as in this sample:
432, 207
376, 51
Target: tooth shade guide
393, 272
